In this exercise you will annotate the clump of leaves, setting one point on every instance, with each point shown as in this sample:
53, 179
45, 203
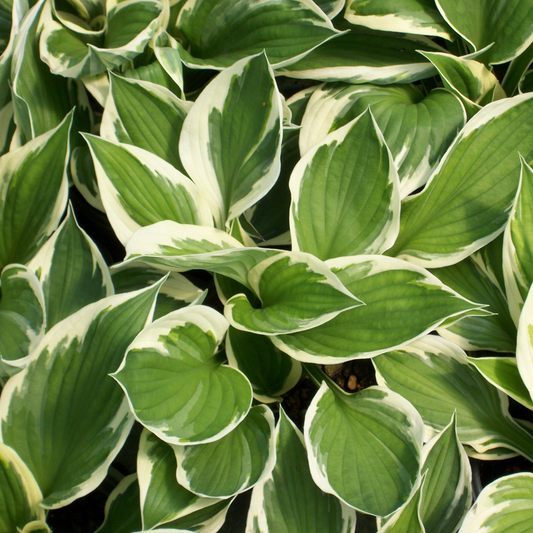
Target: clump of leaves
381, 212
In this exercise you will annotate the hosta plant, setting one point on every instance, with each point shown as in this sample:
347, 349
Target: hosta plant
210, 208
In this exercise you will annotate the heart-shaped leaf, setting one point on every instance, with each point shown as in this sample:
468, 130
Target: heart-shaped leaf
196, 399
364, 448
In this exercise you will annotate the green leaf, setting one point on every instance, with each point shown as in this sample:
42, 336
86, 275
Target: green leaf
364, 448
67, 441
297, 292
407, 518
41, 100
437, 378
447, 490
363, 56
139, 188
122, 512
146, 115
22, 316
467, 200
220, 33
207, 520
417, 130
506, 23
468, 79
336, 210
175, 293
230, 143
288, 501
19, 493
402, 303
331, 7
175, 382
524, 343
503, 373
232, 464
518, 244
33, 193
70, 51
419, 17
182, 247
472, 280
71, 270
270, 371
505, 505
162, 498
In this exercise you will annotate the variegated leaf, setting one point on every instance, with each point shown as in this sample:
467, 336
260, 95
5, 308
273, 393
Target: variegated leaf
494, 332
20, 495
146, 115
402, 303
297, 292
181, 247
179, 353
470, 80
504, 505
506, 23
162, 499
364, 448
33, 193
220, 33
503, 373
518, 244
288, 501
175, 293
71, 270
336, 209
243, 458
22, 316
130, 25
524, 343
230, 143
417, 130
138, 188
419, 17
41, 100
270, 371
447, 490
122, 511
427, 372
67, 441
467, 200
363, 56
407, 518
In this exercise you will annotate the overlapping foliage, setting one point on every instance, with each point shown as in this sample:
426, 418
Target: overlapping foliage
384, 211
